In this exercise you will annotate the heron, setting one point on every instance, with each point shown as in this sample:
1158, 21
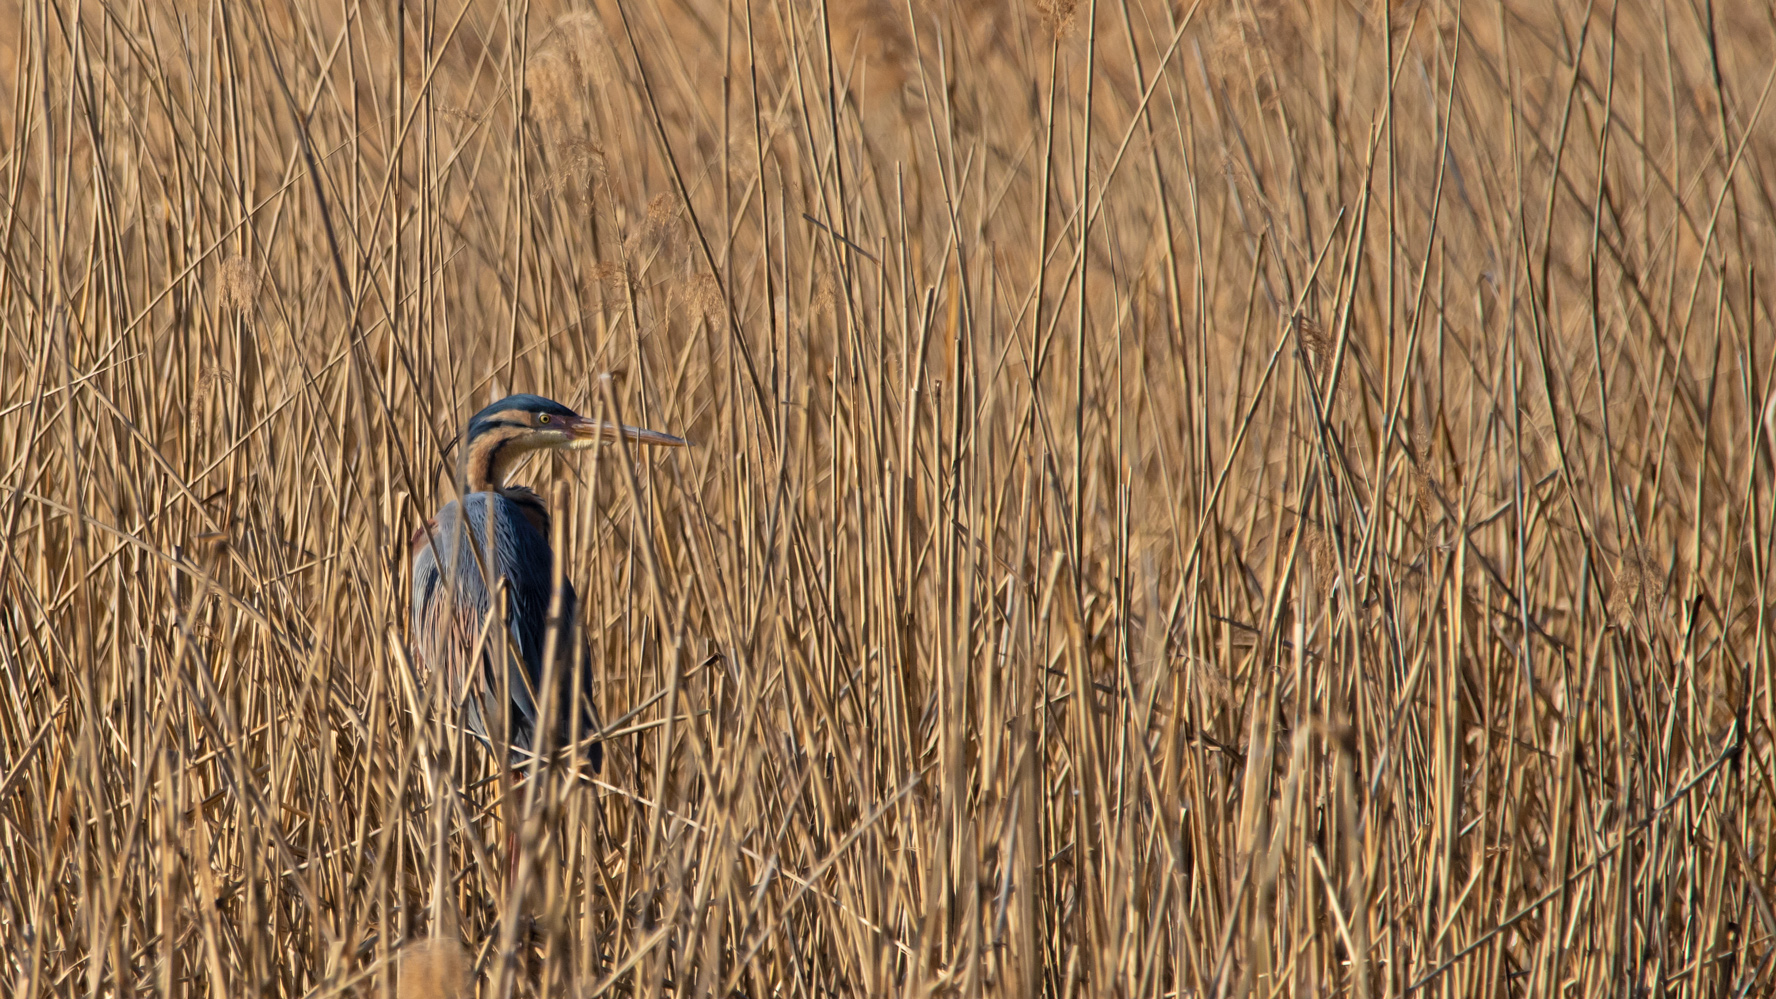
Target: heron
506, 551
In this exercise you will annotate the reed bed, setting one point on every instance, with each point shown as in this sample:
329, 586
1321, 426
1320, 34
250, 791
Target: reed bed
1190, 499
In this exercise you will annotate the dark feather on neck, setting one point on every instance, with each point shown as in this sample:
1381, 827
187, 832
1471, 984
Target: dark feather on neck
529, 504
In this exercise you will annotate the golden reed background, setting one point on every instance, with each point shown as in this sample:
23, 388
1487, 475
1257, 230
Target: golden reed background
1238, 499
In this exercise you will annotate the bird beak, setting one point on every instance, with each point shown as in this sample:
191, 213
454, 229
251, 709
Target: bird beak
588, 432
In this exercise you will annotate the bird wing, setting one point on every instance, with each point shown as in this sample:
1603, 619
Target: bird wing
451, 631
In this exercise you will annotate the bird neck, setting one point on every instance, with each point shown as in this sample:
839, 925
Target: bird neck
487, 459
485, 463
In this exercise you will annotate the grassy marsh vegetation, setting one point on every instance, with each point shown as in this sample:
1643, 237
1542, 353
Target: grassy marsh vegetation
1236, 499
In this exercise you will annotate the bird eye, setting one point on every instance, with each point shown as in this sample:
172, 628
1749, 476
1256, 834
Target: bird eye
543, 418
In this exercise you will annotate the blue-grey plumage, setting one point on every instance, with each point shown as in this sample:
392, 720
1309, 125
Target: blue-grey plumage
506, 550
448, 625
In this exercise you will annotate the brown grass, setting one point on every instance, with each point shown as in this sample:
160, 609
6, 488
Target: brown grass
975, 649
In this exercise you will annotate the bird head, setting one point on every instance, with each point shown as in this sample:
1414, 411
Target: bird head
511, 428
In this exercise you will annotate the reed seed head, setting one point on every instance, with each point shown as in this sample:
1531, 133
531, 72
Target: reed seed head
661, 226
1058, 15
1314, 340
581, 36
555, 93
608, 275
237, 284
701, 298
581, 166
